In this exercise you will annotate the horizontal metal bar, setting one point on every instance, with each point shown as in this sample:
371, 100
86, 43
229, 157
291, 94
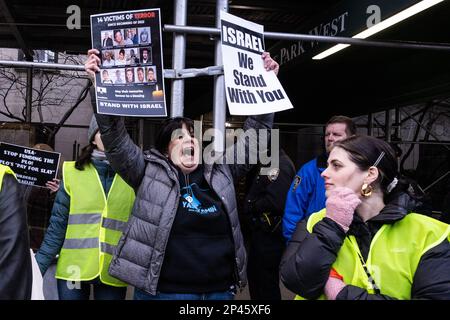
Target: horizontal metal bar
168, 73
192, 72
421, 142
191, 29
327, 39
41, 65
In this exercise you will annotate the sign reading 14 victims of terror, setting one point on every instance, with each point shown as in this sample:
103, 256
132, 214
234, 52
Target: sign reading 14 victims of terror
130, 81
250, 89
31, 166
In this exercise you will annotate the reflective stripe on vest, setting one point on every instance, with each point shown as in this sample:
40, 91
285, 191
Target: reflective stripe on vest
85, 218
114, 224
89, 243
4, 170
394, 254
107, 248
95, 224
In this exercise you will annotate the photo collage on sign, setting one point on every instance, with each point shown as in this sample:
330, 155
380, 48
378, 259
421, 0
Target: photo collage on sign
127, 56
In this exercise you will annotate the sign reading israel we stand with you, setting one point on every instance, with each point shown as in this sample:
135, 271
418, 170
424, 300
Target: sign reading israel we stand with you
31, 166
250, 89
130, 81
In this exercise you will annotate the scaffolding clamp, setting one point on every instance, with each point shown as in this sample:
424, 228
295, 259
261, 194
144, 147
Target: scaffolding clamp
193, 72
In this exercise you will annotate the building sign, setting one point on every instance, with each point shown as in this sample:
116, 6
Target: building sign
344, 20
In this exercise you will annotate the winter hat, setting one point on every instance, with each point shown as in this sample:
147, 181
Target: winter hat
93, 128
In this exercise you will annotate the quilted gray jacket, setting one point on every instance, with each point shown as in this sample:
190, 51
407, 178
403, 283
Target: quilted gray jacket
140, 252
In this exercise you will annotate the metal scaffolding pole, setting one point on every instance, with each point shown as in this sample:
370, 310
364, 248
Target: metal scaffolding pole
178, 60
424, 128
29, 97
437, 143
388, 126
219, 107
370, 124
41, 65
398, 122
327, 39
435, 182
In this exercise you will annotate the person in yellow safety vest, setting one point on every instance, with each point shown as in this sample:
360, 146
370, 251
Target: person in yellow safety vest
367, 244
15, 261
90, 213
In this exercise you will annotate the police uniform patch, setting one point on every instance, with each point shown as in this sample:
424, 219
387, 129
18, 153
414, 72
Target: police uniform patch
297, 181
273, 174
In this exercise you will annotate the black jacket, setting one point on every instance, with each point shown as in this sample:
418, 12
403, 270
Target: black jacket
15, 259
306, 264
269, 196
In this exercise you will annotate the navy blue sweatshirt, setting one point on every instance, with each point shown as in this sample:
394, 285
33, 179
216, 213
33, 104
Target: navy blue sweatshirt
199, 256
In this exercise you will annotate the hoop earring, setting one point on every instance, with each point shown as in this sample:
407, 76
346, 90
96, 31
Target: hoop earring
366, 190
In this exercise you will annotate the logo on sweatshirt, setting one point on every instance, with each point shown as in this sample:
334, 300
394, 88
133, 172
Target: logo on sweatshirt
192, 204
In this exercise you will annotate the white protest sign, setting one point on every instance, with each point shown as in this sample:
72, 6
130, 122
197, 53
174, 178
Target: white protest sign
250, 89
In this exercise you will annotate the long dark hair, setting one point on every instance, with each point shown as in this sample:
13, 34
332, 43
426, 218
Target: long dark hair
364, 152
85, 157
164, 134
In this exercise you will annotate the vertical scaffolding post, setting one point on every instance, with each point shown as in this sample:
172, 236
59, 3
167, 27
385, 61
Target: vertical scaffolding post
398, 122
388, 126
29, 98
178, 59
219, 107
370, 124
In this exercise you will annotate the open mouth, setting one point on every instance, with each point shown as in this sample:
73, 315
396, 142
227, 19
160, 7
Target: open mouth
189, 151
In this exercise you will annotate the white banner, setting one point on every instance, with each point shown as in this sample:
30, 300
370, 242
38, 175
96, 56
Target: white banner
250, 89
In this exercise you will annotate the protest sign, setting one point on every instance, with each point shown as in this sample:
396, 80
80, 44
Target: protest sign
130, 81
250, 89
31, 166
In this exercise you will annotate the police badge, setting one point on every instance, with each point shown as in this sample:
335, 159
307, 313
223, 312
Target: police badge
273, 174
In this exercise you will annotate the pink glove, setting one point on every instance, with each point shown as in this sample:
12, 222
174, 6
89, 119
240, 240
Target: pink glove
341, 204
333, 287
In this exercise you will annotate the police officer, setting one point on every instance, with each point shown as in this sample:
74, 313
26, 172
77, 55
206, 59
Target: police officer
263, 207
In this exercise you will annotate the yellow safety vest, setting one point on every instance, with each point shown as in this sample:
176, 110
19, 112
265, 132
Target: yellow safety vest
96, 223
394, 254
4, 170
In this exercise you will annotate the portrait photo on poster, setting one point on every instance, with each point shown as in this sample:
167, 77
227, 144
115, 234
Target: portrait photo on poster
107, 40
145, 35
146, 55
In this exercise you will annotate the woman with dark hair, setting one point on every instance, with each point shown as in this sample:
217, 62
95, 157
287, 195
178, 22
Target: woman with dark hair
183, 240
91, 211
367, 244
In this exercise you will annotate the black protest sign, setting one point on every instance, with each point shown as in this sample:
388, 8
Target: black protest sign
31, 166
131, 77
